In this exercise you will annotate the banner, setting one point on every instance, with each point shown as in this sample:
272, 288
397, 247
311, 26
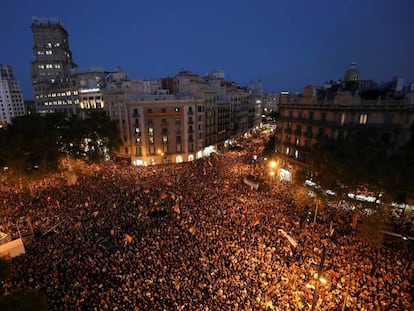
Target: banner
12, 249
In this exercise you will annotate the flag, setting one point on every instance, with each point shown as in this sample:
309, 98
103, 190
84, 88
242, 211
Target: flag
354, 220
255, 223
128, 238
287, 236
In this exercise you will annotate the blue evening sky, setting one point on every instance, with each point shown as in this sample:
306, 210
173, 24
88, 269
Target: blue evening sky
286, 43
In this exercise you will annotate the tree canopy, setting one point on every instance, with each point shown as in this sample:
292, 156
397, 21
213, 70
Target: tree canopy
360, 162
36, 143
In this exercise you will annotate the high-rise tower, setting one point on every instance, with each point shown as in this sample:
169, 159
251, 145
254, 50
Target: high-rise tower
52, 66
11, 99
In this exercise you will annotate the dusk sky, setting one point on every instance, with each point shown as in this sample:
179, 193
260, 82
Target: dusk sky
287, 44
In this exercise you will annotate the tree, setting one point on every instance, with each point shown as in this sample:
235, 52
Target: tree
34, 144
373, 225
94, 138
30, 142
354, 163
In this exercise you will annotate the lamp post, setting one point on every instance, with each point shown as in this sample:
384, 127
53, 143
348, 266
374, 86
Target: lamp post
320, 270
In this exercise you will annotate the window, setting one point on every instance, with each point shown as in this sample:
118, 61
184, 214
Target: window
363, 118
287, 151
151, 131
151, 140
165, 139
310, 115
138, 151
296, 154
149, 110
138, 140
177, 109
343, 118
323, 116
151, 149
388, 118
178, 148
178, 139
163, 110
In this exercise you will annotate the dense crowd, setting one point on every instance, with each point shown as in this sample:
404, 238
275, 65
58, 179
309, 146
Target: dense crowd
193, 236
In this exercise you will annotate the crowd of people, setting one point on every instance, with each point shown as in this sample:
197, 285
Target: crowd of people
193, 236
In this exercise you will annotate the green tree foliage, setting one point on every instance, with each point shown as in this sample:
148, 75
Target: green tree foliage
356, 162
93, 138
30, 142
372, 225
35, 141
269, 148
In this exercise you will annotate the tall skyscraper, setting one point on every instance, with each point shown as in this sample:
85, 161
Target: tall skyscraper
52, 67
11, 99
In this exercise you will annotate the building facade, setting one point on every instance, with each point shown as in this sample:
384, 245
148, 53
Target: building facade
11, 98
52, 67
319, 113
176, 119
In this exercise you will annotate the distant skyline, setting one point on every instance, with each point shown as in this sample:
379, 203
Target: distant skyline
286, 44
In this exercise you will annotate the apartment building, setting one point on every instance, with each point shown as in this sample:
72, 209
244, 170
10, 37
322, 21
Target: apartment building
11, 99
159, 128
335, 113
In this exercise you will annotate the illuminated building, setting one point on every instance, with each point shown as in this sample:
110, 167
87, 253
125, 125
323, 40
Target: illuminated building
51, 68
335, 111
11, 99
